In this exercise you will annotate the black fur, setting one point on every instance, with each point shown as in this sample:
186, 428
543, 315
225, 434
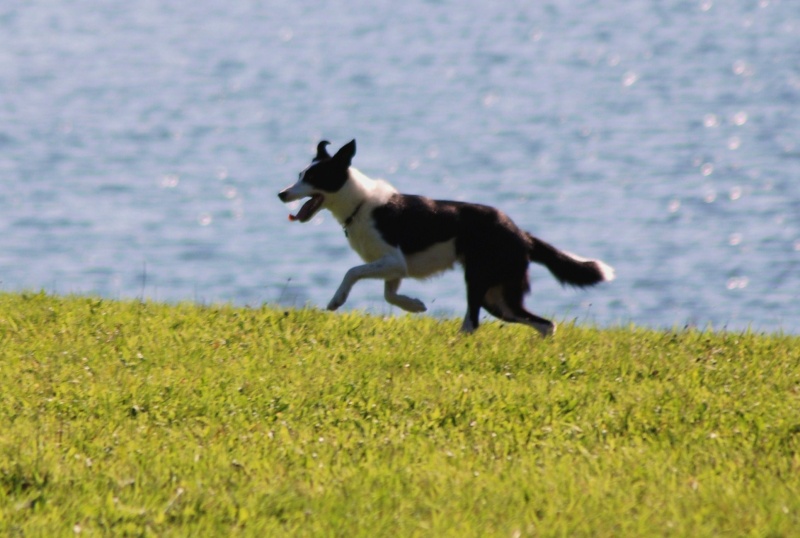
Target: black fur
322, 152
329, 174
492, 249
414, 223
567, 270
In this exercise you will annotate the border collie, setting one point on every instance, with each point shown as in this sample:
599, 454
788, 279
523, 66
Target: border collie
403, 235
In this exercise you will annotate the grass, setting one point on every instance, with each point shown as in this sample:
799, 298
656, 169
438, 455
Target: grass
142, 419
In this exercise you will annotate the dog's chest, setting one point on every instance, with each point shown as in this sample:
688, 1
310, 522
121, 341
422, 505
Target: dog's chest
367, 241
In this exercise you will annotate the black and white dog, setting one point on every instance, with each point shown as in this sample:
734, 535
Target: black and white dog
403, 235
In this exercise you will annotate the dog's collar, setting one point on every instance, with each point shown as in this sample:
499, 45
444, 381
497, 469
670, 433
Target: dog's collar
349, 220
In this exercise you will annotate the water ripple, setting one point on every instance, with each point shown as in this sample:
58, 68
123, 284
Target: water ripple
660, 137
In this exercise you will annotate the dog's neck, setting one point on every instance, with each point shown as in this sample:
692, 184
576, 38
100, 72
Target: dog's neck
358, 190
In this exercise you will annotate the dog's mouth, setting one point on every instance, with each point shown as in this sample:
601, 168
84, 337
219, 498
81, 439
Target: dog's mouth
309, 208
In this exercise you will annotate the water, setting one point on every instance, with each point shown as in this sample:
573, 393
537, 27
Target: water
142, 146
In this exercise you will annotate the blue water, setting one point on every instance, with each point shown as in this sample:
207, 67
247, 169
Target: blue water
142, 145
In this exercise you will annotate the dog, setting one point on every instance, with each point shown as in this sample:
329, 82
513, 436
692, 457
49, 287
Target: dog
403, 235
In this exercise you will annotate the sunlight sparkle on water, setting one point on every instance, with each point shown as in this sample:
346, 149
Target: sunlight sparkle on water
737, 283
710, 120
674, 206
629, 78
742, 68
170, 181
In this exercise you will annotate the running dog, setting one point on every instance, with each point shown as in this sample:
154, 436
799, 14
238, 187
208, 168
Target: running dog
403, 235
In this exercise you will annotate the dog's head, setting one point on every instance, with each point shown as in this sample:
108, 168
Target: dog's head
324, 176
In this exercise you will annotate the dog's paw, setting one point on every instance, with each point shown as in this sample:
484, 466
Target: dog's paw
336, 302
546, 330
415, 305
467, 327
408, 304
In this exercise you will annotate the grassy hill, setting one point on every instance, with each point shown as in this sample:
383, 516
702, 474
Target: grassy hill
142, 419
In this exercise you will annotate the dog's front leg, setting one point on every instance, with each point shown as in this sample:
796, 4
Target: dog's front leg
390, 267
409, 304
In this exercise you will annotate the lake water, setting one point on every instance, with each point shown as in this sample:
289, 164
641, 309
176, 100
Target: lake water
142, 145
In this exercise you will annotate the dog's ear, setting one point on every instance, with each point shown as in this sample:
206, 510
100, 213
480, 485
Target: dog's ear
346, 153
322, 153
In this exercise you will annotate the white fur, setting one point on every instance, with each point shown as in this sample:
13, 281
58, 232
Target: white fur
406, 303
439, 257
361, 234
357, 189
606, 270
298, 191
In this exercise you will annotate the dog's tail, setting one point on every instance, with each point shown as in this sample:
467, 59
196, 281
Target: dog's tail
568, 268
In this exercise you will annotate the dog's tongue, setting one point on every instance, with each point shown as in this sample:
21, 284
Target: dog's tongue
308, 209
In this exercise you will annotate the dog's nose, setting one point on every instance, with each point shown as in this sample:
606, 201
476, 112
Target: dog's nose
282, 195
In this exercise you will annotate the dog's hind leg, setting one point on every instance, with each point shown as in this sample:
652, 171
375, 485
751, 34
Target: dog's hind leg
505, 303
475, 293
409, 304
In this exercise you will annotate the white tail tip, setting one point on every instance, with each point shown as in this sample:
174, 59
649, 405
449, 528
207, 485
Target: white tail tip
606, 270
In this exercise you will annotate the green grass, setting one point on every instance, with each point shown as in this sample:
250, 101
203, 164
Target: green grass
123, 418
